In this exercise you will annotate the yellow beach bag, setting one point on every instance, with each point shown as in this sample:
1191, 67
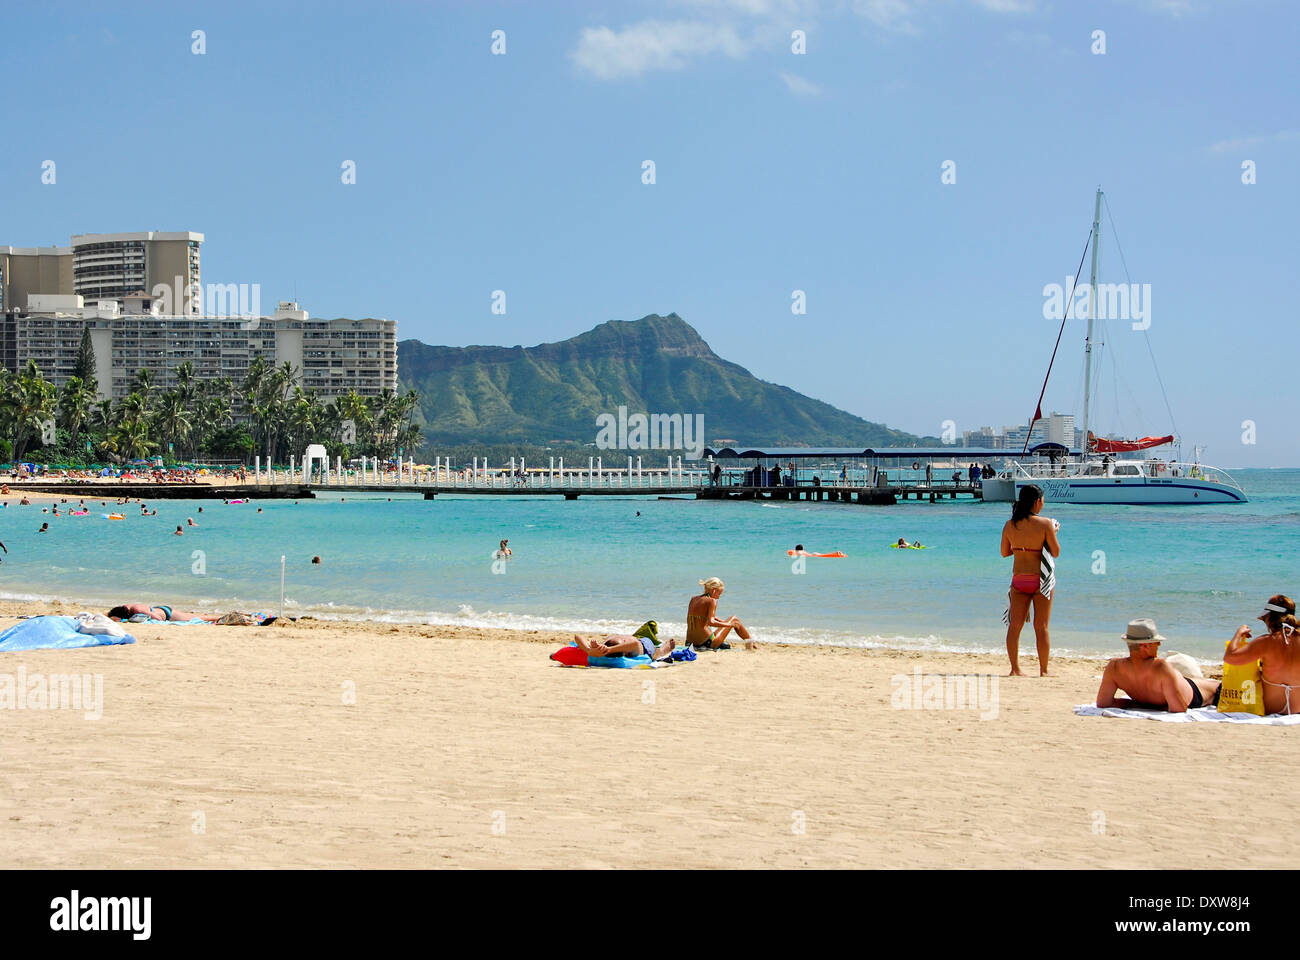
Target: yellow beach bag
1242, 690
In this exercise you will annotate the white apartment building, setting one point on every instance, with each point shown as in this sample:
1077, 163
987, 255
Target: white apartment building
130, 334
1054, 428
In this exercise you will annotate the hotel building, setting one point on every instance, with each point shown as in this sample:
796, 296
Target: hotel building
130, 334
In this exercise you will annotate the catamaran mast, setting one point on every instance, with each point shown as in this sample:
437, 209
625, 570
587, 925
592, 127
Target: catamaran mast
1092, 314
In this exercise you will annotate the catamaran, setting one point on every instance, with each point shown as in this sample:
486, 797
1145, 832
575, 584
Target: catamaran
1102, 473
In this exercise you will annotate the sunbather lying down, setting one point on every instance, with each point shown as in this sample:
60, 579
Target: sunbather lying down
158, 612
623, 645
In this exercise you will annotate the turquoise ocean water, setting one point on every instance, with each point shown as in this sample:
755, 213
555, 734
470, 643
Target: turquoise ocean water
592, 565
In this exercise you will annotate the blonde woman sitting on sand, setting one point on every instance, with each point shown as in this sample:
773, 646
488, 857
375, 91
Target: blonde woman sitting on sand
702, 616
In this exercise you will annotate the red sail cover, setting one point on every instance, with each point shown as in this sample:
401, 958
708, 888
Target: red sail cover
1100, 445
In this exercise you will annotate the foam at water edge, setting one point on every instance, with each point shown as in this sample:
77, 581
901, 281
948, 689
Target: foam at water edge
467, 616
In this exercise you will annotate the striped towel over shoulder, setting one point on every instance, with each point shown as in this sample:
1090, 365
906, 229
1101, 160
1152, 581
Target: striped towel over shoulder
1046, 580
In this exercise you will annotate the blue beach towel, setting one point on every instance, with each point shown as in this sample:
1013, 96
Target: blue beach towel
53, 633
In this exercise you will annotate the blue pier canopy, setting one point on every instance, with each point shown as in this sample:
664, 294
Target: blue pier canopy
882, 453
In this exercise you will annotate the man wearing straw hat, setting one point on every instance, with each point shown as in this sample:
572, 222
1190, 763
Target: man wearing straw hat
1150, 682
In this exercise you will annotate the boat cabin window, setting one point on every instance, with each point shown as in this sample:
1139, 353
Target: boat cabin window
1126, 470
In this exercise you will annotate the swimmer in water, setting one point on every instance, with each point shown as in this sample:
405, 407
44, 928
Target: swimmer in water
315, 559
4, 548
504, 550
45, 527
180, 532
189, 522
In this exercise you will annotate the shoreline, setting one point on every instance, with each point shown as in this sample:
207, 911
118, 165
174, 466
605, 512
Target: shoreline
16, 606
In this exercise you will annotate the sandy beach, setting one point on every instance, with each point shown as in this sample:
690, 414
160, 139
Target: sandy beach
238, 747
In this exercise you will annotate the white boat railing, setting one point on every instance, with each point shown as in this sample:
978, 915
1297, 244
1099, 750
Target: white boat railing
1153, 469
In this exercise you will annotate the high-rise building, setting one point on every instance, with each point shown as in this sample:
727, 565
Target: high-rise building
983, 437
105, 266
333, 356
1060, 429
1054, 428
29, 270
109, 266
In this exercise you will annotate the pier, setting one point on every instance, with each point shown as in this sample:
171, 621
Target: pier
869, 477
278, 485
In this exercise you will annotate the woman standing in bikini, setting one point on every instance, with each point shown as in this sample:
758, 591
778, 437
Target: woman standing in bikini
1023, 538
702, 617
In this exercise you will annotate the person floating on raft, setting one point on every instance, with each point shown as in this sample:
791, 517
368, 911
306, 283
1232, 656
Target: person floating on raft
799, 551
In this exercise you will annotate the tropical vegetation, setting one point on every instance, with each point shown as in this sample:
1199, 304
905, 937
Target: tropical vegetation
265, 413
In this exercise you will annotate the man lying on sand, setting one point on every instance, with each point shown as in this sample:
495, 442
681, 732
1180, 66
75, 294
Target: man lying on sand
1150, 681
618, 645
127, 610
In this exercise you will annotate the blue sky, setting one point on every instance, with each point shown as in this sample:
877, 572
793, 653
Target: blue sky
774, 172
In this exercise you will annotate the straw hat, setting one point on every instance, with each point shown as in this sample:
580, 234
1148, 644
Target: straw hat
1142, 630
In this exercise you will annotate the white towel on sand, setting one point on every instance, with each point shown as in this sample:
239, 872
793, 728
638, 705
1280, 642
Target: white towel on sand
1201, 715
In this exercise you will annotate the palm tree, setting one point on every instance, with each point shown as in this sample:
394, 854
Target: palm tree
29, 403
143, 383
131, 441
186, 384
172, 420
132, 409
352, 406
75, 401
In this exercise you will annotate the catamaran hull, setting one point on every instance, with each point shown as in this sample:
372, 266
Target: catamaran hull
1126, 490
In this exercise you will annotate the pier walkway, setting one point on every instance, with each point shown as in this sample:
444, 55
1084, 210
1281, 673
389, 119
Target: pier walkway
676, 483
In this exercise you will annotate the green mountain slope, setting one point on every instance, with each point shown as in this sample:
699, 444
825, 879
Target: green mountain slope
554, 391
